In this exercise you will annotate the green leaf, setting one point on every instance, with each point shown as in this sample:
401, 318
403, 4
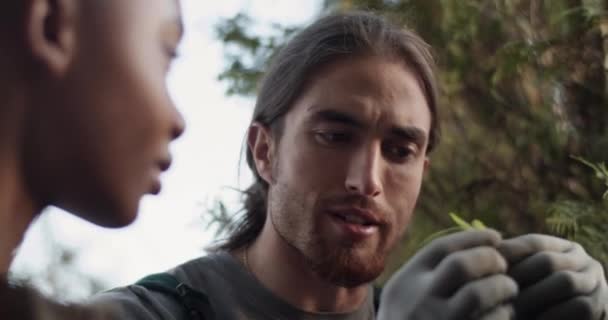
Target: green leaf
477, 224
460, 222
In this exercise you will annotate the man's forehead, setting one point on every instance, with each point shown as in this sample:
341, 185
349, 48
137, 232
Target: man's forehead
389, 100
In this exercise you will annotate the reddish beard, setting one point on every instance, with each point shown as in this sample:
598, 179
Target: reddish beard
343, 267
341, 262
345, 264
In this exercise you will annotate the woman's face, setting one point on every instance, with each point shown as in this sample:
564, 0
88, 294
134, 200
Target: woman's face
102, 139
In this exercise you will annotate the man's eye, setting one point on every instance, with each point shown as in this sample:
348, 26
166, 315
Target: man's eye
399, 153
331, 137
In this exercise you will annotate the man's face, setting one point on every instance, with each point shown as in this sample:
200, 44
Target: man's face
348, 167
102, 139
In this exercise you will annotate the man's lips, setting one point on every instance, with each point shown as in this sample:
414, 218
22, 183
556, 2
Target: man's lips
355, 224
356, 216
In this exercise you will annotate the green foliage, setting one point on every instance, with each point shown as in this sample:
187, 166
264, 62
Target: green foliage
245, 64
523, 87
462, 224
584, 221
600, 170
241, 76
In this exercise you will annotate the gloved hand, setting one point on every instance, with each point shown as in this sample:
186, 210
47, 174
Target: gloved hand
556, 277
459, 276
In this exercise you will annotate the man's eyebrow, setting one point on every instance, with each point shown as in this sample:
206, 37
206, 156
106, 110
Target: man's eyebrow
409, 133
328, 115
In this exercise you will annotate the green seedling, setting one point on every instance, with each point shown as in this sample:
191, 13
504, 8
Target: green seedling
461, 225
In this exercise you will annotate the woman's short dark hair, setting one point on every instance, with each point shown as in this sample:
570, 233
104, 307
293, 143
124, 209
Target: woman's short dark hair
332, 37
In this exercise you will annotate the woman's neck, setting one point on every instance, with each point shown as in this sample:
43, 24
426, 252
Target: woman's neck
16, 214
17, 205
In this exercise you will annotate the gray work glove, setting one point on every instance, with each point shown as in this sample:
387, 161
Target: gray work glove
459, 276
556, 277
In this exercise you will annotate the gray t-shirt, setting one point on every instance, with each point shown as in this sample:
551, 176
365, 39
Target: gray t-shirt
233, 293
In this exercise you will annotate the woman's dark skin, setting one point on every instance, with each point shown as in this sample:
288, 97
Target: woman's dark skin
86, 119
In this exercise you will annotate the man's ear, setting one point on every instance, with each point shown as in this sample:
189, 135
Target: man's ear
427, 163
261, 144
51, 32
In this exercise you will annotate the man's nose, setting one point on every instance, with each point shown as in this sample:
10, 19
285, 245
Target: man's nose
363, 175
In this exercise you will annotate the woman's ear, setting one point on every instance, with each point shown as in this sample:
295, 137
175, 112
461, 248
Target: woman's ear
51, 32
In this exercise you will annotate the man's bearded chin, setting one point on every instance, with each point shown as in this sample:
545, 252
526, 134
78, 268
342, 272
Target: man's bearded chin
344, 268
340, 266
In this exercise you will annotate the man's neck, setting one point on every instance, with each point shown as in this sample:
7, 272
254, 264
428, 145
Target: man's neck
284, 271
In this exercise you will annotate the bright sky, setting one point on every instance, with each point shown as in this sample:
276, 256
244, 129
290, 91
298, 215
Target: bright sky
170, 228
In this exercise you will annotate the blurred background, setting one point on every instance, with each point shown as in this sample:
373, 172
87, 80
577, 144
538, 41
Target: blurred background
524, 110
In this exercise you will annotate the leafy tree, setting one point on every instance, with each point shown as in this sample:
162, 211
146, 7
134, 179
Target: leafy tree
523, 89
